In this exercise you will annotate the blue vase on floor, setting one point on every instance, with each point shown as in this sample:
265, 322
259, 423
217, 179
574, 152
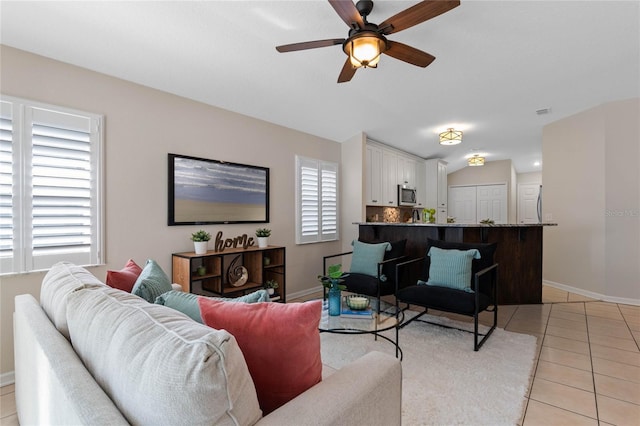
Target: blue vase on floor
334, 302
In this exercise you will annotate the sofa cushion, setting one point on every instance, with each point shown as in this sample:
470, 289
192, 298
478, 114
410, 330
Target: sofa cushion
280, 342
152, 282
187, 303
125, 278
157, 365
366, 284
62, 279
444, 299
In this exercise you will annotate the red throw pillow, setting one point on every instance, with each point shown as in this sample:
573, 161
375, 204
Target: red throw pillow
125, 278
280, 343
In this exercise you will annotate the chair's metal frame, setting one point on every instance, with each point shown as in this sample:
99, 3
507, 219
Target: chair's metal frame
493, 269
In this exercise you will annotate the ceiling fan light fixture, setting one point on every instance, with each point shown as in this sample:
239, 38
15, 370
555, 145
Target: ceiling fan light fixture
451, 137
364, 50
476, 160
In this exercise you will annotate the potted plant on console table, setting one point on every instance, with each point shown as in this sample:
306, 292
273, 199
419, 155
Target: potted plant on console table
263, 237
200, 240
271, 286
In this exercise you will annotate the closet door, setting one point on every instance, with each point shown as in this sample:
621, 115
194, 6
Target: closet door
492, 203
462, 204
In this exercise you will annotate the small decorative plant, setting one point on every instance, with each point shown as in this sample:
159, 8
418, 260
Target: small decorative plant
431, 213
271, 284
201, 235
263, 232
333, 278
487, 221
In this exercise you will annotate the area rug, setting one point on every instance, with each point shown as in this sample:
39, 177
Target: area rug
444, 381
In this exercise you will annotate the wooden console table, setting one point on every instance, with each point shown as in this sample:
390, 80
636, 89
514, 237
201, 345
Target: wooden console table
215, 280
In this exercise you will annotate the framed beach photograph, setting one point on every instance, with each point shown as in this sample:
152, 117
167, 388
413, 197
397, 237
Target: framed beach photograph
203, 191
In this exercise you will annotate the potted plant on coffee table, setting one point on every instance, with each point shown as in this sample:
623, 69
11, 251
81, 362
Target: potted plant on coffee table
263, 237
200, 240
333, 281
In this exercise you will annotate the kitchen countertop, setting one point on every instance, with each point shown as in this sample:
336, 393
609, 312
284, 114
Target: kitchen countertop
459, 225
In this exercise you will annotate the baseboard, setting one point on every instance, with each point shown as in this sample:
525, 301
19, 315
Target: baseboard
7, 378
302, 293
593, 295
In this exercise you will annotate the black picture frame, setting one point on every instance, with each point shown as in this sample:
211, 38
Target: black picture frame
204, 191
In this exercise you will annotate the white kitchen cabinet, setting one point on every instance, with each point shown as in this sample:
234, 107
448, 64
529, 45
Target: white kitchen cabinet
436, 188
408, 166
421, 185
386, 168
374, 176
390, 178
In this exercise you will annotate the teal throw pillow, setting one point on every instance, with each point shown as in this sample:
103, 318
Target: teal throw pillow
451, 268
152, 282
365, 257
255, 297
187, 303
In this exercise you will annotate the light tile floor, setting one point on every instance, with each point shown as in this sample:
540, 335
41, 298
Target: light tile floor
587, 371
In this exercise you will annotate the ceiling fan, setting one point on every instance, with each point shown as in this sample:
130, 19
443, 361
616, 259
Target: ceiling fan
367, 41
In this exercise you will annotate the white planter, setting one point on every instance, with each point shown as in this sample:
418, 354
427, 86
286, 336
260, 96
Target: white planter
263, 242
200, 247
270, 291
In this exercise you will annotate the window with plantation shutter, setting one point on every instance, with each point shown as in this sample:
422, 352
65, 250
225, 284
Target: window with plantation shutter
50, 187
316, 200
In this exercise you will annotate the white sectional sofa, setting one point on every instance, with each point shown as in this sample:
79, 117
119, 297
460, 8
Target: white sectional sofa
133, 362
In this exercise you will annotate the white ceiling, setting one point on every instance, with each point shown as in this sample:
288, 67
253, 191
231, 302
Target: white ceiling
497, 62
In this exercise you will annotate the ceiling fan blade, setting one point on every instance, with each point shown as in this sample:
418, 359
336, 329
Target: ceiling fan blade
417, 14
309, 45
348, 12
408, 54
347, 72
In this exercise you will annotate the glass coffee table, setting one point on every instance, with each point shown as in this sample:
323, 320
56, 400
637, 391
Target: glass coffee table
390, 317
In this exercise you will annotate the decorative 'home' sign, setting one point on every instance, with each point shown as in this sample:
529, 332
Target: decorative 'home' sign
241, 240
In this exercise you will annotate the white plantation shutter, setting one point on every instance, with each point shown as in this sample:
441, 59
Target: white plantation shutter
316, 200
329, 205
59, 217
6, 187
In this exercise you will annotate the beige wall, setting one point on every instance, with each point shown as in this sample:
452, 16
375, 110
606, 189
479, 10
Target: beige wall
493, 172
591, 186
142, 126
352, 208
531, 177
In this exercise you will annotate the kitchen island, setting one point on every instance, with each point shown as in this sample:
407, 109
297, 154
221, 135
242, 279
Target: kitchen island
518, 251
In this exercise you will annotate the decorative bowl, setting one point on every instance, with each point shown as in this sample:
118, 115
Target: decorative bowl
357, 302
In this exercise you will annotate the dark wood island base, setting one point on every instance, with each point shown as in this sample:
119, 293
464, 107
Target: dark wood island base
518, 253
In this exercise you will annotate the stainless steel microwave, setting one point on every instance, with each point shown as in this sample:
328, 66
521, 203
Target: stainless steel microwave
406, 195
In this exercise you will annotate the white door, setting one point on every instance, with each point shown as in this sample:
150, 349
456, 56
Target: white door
528, 202
462, 203
492, 203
